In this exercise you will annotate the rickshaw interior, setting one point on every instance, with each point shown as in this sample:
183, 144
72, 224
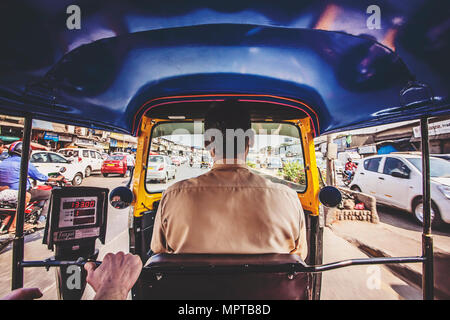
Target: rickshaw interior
148, 80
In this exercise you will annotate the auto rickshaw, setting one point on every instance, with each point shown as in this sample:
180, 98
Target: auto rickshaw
131, 67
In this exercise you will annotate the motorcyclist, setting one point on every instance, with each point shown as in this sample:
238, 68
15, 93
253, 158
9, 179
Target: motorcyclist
350, 168
10, 175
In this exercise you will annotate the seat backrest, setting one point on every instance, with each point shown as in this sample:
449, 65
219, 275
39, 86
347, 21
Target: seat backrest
223, 277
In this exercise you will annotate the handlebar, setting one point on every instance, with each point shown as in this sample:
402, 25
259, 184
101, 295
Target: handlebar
290, 267
57, 263
60, 183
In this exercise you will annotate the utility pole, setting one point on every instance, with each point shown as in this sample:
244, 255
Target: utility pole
331, 155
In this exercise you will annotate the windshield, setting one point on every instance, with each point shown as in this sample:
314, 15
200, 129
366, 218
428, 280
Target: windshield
273, 144
438, 167
156, 159
116, 158
69, 153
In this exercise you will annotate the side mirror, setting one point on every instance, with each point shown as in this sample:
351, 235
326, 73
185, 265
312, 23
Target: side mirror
69, 160
121, 197
330, 196
399, 174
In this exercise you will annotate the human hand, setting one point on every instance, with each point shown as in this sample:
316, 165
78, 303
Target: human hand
115, 277
58, 178
23, 294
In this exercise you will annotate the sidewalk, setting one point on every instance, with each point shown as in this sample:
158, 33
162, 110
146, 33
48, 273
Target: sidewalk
383, 240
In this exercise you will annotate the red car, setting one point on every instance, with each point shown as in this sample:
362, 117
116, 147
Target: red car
115, 164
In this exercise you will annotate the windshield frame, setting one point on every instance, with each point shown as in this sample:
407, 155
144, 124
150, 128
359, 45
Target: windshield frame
147, 155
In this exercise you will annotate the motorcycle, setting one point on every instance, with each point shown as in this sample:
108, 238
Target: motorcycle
346, 178
33, 212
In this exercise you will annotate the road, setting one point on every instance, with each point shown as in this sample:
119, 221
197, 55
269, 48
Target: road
116, 237
349, 283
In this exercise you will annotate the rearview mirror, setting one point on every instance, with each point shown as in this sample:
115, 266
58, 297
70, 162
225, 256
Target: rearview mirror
330, 196
121, 197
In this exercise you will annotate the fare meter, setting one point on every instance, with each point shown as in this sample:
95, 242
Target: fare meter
76, 219
76, 215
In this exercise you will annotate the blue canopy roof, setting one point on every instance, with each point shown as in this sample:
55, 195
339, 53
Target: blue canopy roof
317, 57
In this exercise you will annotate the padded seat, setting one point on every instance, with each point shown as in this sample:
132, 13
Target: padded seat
223, 277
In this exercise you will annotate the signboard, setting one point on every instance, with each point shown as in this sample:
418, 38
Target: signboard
367, 149
116, 136
84, 141
51, 136
65, 138
434, 129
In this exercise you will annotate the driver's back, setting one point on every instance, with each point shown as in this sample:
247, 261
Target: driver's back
229, 210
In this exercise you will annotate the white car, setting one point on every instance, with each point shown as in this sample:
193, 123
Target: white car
160, 168
90, 159
51, 162
396, 180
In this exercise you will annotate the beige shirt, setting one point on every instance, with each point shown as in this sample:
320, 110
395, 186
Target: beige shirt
229, 210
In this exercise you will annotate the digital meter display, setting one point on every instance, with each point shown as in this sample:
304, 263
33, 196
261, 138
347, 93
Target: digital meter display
77, 211
78, 204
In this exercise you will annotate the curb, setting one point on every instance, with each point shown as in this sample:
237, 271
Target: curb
403, 271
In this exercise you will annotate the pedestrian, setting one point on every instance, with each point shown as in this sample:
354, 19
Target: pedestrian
130, 164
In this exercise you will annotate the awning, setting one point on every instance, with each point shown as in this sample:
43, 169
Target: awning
49, 126
10, 124
9, 139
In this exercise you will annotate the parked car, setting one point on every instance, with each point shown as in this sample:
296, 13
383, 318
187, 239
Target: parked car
50, 162
396, 180
160, 168
90, 159
176, 161
115, 164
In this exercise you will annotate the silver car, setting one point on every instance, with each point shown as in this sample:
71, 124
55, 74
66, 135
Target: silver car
160, 168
